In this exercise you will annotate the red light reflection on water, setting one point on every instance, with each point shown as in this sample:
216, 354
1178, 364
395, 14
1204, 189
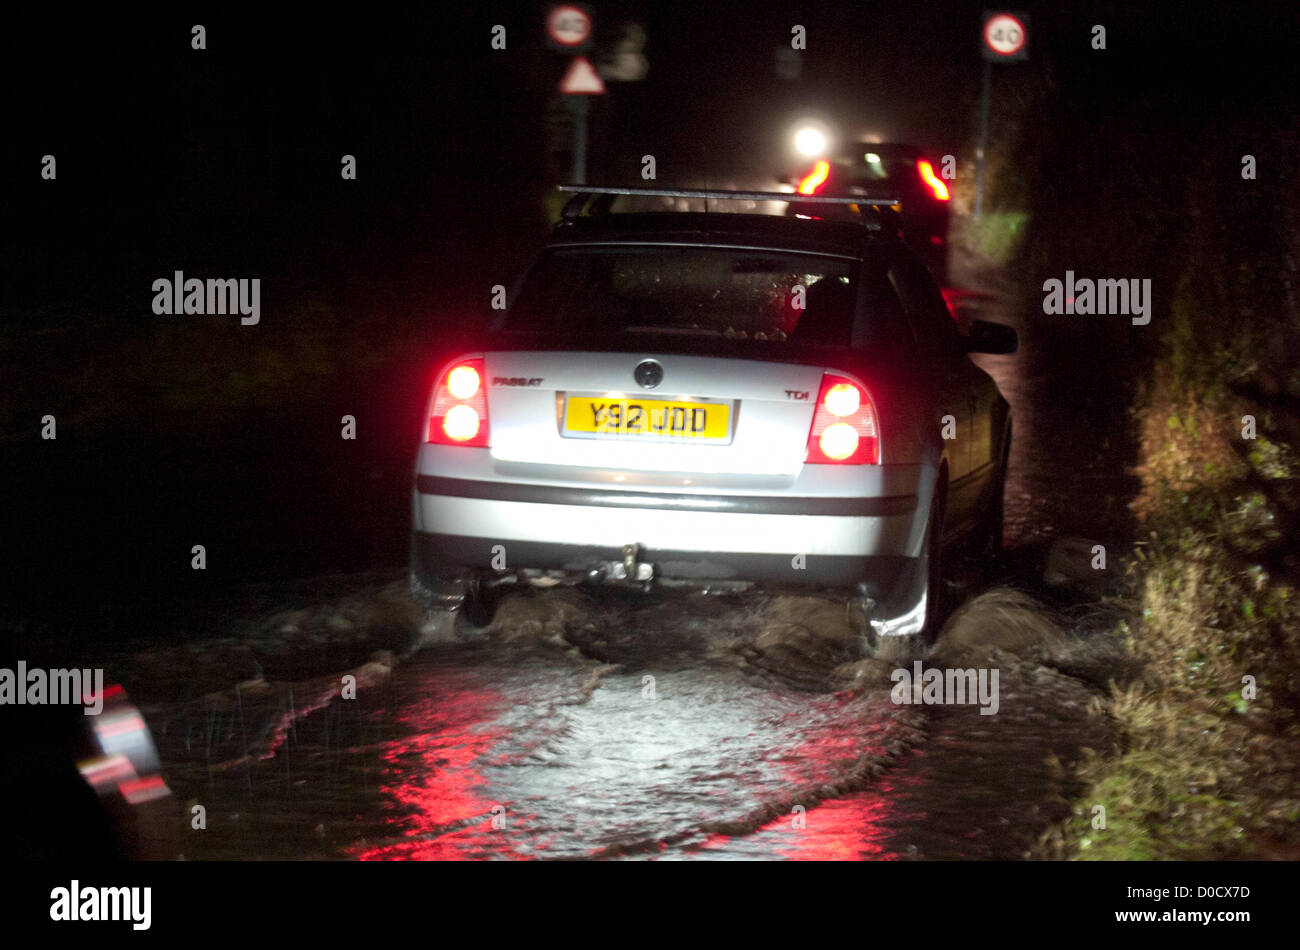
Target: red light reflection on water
436, 797
843, 829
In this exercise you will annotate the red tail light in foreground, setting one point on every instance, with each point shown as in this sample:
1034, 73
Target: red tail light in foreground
460, 415
844, 429
937, 187
815, 179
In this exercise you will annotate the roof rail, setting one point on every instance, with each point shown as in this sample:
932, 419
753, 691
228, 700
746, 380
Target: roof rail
605, 196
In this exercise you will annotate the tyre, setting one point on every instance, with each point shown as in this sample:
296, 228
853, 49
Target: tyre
434, 586
993, 525
480, 605
936, 602
990, 548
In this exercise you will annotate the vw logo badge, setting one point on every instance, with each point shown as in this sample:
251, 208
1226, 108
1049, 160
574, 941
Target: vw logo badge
648, 374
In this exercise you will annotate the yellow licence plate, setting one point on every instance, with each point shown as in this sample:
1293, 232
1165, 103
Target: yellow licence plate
652, 418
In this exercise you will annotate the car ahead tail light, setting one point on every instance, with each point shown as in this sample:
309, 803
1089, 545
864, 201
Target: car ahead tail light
935, 183
459, 414
815, 178
844, 430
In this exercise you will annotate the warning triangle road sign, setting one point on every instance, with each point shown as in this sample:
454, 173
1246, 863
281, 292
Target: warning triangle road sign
581, 79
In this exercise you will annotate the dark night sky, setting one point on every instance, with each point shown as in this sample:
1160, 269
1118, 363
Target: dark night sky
147, 130
426, 85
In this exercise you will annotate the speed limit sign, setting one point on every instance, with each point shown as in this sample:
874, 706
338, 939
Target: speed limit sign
1006, 37
568, 28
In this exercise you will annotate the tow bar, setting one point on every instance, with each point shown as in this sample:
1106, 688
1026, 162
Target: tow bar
632, 568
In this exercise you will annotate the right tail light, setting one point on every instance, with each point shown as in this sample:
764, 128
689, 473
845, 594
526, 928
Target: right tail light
845, 430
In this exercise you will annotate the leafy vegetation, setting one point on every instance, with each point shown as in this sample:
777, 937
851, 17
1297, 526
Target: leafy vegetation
994, 237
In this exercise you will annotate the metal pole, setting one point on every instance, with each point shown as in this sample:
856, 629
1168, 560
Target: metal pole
578, 103
984, 140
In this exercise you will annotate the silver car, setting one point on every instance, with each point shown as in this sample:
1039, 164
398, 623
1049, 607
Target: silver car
714, 400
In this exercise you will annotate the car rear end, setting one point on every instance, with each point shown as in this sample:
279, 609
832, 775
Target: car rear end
678, 413
900, 171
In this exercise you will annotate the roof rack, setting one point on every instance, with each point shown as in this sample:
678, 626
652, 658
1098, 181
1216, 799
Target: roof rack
604, 197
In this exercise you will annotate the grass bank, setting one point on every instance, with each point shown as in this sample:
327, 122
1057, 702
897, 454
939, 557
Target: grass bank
1207, 764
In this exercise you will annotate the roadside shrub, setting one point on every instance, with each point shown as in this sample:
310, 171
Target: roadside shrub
1207, 734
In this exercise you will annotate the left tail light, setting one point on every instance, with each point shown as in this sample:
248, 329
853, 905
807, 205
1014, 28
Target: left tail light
459, 411
845, 430
815, 178
932, 181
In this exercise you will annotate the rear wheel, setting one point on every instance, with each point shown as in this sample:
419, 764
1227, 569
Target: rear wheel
990, 547
432, 587
935, 601
481, 601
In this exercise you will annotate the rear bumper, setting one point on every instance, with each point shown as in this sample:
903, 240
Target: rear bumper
439, 558
597, 497
868, 544
598, 517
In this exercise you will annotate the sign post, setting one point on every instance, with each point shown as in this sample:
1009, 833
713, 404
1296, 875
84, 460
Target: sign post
1006, 40
568, 30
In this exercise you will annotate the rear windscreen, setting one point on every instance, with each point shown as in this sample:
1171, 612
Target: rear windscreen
867, 167
736, 293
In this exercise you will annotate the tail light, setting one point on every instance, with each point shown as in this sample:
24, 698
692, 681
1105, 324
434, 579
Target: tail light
937, 187
845, 430
459, 414
815, 178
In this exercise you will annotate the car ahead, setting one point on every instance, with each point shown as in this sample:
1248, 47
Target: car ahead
714, 400
898, 170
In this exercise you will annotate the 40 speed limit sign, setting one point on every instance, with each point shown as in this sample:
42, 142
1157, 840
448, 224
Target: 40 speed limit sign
568, 27
1005, 36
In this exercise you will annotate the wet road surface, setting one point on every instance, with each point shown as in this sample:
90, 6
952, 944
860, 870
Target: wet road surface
616, 726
